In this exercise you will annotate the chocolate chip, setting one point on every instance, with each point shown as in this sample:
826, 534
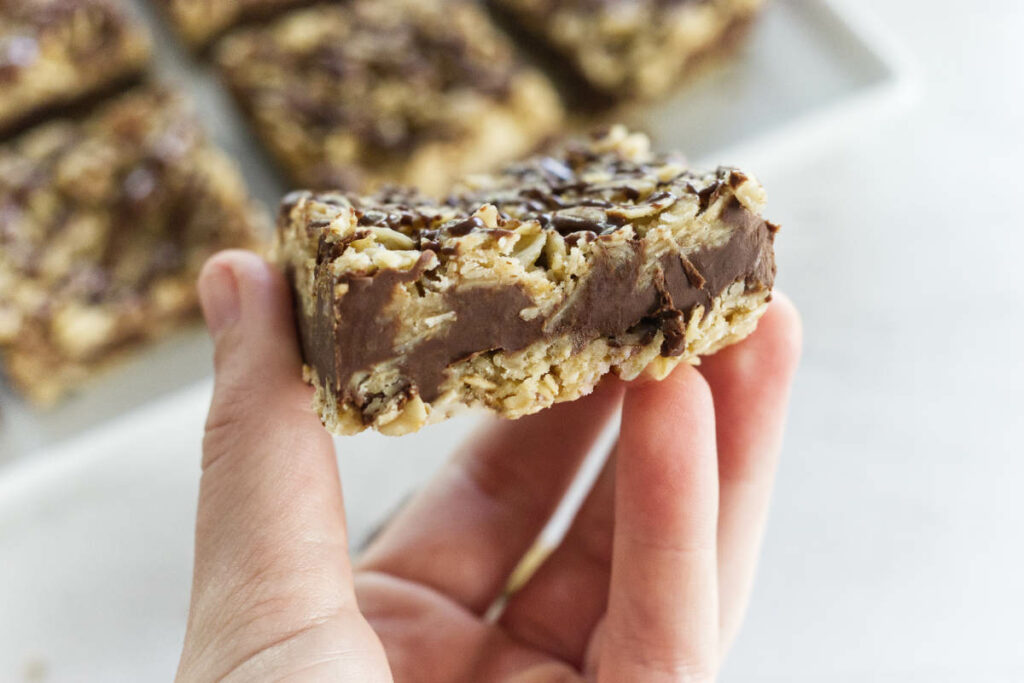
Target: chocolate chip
584, 236
630, 193
566, 224
465, 227
617, 218
708, 195
737, 178
673, 326
693, 275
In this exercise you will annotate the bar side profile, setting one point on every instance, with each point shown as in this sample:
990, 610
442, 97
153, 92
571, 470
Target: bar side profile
522, 289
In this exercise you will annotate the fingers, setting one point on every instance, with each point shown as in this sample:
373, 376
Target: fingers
662, 622
465, 534
750, 383
270, 535
560, 606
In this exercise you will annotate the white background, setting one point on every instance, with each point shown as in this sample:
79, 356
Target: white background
895, 548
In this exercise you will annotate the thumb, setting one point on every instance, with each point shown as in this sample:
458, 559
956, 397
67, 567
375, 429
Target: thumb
258, 389
271, 546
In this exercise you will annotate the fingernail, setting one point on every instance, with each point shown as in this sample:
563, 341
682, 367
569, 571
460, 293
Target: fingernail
218, 295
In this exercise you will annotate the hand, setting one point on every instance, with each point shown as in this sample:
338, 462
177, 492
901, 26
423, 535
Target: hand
650, 584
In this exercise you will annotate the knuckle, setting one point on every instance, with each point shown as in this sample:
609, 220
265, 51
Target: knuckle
225, 424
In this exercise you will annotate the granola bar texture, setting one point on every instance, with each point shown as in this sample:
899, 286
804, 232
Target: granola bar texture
201, 21
639, 48
524, 288
367, 92
104, 225
53, 52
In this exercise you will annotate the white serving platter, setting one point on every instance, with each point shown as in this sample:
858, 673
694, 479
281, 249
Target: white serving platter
97, 498
813, 73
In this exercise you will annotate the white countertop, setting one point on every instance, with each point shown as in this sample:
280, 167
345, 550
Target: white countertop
895, 548
895, 545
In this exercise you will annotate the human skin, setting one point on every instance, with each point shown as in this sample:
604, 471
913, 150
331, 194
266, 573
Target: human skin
649, 585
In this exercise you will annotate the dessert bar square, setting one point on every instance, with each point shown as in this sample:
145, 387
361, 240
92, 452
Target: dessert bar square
633, 49
368, 92
104, 225
524, 288
54, 52
201, 21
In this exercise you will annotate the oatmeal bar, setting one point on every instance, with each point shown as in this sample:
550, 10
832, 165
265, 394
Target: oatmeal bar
416, 92
523, 288
104, 224
53, 52
633, 49
200, 21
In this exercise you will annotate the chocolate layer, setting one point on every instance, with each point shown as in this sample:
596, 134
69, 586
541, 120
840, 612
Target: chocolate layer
348, 336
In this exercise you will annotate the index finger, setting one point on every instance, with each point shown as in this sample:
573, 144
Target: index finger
662, 621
